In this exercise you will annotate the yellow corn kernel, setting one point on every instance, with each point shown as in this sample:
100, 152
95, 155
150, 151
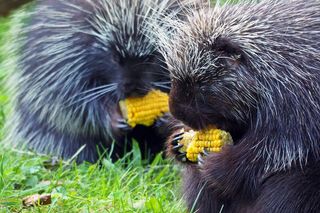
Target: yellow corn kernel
212, 140
145, 110
192, 157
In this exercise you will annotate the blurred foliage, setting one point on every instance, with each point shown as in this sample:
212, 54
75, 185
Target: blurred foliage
4, 26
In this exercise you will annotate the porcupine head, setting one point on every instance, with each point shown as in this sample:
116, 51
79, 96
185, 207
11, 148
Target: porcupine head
244, 73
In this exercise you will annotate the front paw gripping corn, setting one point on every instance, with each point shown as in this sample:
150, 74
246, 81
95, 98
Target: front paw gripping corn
145, 110
212, 140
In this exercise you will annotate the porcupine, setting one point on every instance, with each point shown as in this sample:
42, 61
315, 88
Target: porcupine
251, 69
78, 59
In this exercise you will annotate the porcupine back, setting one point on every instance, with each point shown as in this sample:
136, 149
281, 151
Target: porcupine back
67, 87
276, 91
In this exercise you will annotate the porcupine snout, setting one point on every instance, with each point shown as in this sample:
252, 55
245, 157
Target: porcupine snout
182, 103
135, 79
134, 88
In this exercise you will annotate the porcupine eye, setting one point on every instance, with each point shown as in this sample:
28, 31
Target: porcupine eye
229, 51
227, 57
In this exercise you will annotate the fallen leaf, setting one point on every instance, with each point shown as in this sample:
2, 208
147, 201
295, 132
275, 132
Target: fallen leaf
37, 200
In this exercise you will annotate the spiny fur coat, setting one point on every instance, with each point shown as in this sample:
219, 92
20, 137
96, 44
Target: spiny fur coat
252, 69
78, 59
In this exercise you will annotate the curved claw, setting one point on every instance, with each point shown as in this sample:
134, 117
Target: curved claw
206, 152
179, 134
200, 159
123, 125
177, 138
177, 147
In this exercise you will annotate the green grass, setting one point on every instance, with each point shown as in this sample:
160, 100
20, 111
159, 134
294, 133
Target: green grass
104, 187
127, 185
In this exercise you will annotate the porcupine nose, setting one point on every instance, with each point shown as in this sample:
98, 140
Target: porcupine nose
134, 89
181, 109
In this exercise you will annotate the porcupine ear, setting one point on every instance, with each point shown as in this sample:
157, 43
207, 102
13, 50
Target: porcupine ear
232, 52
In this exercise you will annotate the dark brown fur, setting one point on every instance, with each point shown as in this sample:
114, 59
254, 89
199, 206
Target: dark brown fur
261, 83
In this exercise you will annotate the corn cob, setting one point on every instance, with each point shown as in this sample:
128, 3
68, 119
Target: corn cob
195, 142
145, 110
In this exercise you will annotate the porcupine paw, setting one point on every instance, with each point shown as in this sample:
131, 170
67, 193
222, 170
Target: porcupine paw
178, 149
163, 121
